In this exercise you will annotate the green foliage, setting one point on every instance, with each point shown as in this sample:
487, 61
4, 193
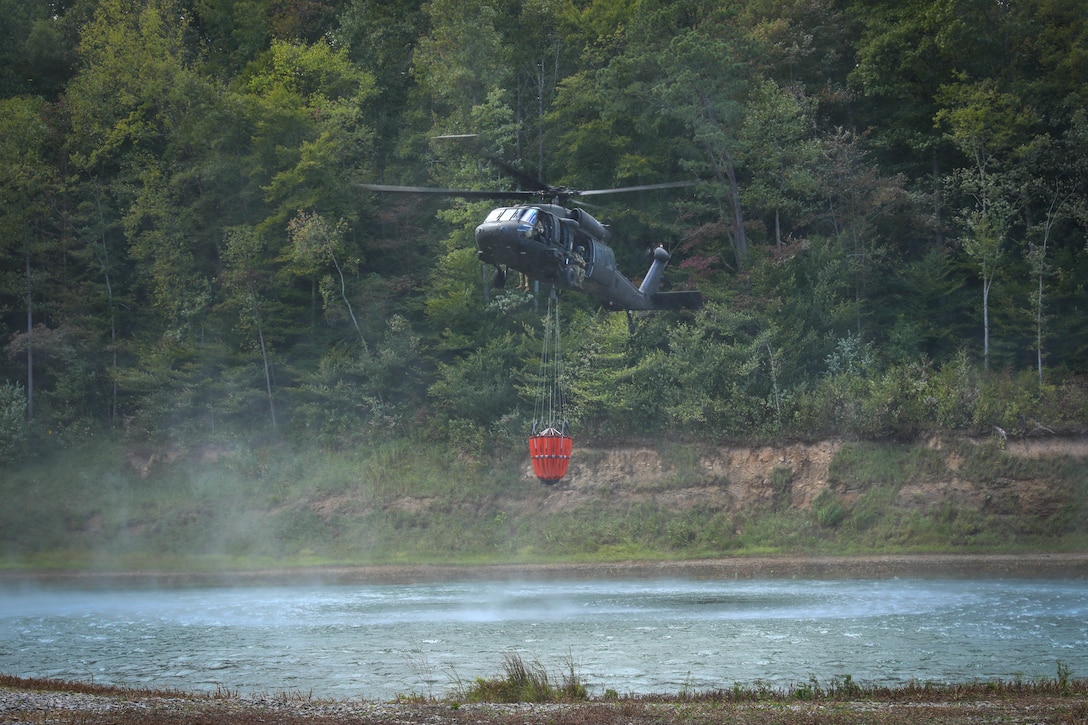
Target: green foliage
463, 58
779, 135
889, 233
310, 143
478, 385
13, 426
33, 54
358, 394
604, 391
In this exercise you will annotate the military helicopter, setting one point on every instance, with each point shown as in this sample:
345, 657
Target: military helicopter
544, 240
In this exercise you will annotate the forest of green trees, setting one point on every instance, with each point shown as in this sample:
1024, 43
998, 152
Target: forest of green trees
889, 227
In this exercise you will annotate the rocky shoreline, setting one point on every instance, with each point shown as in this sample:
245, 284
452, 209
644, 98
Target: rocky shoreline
125, 707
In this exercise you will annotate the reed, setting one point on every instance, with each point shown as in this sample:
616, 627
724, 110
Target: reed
523, 681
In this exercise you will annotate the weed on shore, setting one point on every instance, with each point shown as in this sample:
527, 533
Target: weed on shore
530, 682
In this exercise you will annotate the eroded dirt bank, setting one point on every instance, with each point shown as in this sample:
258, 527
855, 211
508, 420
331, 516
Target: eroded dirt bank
736, 478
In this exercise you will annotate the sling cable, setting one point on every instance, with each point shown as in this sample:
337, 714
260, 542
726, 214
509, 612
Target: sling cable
550, 442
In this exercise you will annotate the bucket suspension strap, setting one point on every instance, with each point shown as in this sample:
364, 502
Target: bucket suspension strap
549, 410
550, 443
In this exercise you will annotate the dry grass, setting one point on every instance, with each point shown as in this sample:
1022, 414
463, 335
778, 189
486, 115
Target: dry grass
40, 684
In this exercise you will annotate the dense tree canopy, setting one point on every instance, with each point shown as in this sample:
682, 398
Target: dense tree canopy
889, 226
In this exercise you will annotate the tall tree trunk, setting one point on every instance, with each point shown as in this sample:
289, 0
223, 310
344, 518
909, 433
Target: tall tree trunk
1037, 258
112, 407
344, 297
740, 237
30, 341
264, 355
267, 378
987, 280
1039, 332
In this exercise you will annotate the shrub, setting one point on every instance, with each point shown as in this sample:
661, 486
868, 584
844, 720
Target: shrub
1007, 401
898, 402
834, 407
955, 393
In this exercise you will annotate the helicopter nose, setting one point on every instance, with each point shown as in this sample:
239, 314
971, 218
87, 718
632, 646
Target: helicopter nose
492, 240
492, 233
487, 234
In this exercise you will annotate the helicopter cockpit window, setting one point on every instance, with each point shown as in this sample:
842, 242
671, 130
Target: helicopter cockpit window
511, 213
529, 223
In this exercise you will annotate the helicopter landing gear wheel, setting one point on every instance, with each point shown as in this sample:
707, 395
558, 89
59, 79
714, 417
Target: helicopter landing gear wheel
499, 280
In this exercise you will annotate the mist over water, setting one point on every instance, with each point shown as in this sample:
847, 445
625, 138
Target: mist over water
378, 641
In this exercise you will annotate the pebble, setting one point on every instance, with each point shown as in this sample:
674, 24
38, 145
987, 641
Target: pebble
28, 706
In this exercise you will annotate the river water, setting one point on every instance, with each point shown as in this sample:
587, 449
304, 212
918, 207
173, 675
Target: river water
380, 641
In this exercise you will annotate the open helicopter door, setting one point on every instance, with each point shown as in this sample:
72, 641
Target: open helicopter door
550, 443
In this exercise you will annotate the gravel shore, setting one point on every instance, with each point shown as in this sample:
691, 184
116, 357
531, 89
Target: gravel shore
1053, 566
132, 708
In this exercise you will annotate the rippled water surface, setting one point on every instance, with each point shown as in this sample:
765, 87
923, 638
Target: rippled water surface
633, 637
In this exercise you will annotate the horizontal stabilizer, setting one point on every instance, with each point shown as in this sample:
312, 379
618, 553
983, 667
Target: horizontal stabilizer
677, 300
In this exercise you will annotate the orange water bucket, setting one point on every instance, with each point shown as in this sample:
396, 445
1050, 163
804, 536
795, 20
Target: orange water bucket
549, 451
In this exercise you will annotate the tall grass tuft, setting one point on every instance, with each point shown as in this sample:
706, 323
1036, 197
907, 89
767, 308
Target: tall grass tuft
526, 682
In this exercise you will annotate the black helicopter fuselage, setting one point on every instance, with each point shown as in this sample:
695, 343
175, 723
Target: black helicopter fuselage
567, 248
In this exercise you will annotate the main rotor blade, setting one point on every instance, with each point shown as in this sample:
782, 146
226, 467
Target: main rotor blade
520, 176
642, 187
469, 193
585, 204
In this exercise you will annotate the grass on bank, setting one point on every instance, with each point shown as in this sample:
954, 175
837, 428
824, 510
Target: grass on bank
529, 682
523, 681
266, 506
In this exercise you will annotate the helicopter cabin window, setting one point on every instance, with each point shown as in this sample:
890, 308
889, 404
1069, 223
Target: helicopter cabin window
602, 255
566, 237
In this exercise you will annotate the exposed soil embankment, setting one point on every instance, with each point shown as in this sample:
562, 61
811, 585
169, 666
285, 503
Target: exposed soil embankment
729, 478
732, 478
650, 499
738, 478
